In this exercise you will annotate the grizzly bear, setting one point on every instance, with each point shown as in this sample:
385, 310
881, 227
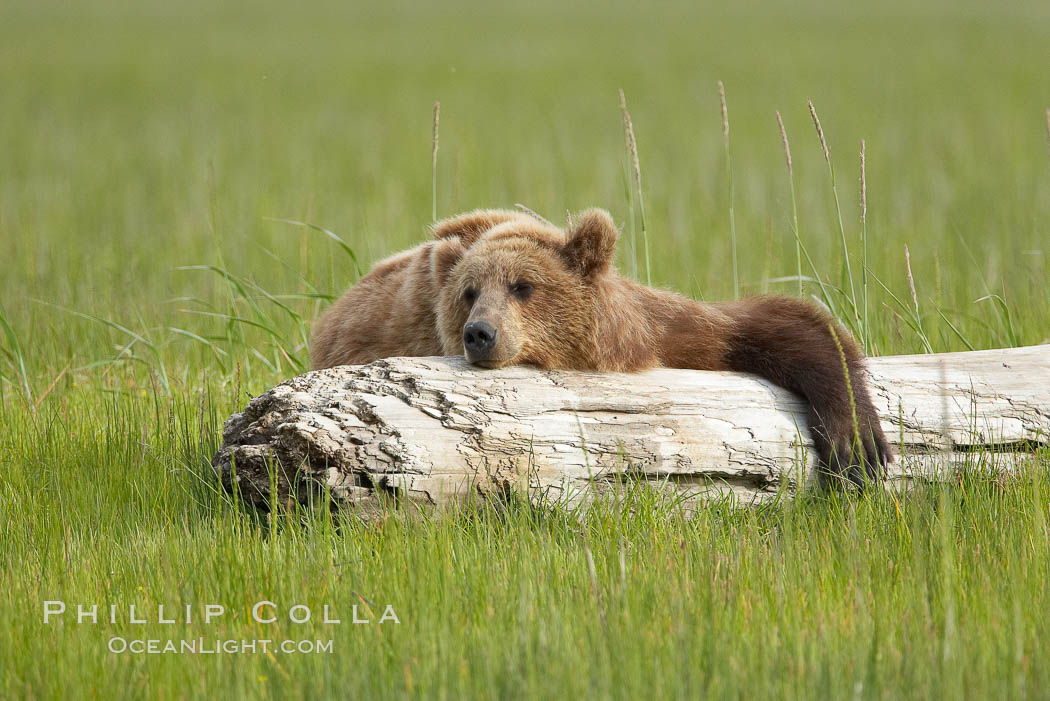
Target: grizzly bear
503, 287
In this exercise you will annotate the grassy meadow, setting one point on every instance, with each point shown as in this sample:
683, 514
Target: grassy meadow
184, 186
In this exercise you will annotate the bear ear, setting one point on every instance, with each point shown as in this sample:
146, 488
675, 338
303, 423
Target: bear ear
591, 243
468, 227
444, 255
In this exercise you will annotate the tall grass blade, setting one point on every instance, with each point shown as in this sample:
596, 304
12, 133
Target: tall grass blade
434, 164
330, 234
1005, 309
864, 245
855, 321
732, 192
794, 203
14, 353
910, 316
636, 169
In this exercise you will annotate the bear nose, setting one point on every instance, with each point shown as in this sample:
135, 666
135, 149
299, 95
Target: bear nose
479, 337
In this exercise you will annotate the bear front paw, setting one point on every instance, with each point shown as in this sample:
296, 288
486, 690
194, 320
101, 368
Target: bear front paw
853, 455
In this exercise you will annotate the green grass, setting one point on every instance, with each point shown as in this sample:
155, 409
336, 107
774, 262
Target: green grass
184, 186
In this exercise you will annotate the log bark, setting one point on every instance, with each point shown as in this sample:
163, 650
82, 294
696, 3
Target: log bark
435, 430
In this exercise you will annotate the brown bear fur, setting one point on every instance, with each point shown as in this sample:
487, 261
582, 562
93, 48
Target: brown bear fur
554, 300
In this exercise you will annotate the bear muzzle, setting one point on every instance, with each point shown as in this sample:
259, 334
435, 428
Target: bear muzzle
479, 341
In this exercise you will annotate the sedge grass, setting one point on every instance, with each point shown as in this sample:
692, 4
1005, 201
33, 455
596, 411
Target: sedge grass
794, 204
434, 164
732, 190
855, 321
864, 242
636, 173
138, 145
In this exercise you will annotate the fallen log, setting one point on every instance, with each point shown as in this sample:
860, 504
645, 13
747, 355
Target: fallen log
431, 430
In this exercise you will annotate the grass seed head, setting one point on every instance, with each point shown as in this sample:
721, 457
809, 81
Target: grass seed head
1048, 131
911, 279
784, 141
437, 119
820, 130
863, 183
725, 110
629, 141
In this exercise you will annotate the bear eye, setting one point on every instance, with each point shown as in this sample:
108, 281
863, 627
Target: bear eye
470, 296
521, 289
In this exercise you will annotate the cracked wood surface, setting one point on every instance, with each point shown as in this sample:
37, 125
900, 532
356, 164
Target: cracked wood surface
431, 430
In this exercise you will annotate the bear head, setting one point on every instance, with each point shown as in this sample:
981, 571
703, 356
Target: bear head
516, 290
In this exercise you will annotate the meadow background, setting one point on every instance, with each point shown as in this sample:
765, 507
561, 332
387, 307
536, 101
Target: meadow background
147, 291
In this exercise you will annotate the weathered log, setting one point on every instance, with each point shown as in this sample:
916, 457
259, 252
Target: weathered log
432, 430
